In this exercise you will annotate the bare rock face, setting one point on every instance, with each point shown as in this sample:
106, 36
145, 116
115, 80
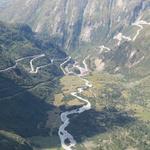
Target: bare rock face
74, 22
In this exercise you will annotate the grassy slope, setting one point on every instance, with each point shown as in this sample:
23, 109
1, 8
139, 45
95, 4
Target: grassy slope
119, 118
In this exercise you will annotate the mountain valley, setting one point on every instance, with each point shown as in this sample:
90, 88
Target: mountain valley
74, 74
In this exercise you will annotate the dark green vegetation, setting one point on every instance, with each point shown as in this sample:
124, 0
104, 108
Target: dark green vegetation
18, 40
21, 111
10, 141
24, 114
98, 122
110, 128
25, 98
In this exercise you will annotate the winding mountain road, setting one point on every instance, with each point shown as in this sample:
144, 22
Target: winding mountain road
139, 23
83, 70
120, 36
16, 63
102, 48
31, 63
33, 69
61, 65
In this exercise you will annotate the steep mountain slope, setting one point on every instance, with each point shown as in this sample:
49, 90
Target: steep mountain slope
29, 77
128, 57
10, 141
76, 22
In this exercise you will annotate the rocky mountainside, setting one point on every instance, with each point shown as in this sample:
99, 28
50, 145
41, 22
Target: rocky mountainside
76, 22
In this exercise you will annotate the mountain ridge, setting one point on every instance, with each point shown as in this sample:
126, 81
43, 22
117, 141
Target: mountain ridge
72, 24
